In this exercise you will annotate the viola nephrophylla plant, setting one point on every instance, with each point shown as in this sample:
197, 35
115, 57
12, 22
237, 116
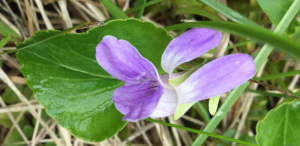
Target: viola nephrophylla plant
148, 94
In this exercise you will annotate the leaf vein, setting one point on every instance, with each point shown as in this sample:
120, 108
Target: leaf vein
74, 69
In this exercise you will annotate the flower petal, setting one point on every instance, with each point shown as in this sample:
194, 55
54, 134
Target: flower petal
168, 102
121, 60
188, 46
216, 77
140, 95
137, 101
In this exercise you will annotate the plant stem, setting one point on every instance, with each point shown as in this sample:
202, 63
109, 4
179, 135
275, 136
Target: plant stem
139, 13
114, 10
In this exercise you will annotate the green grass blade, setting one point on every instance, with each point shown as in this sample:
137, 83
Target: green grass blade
5, 30
139, 13
200, 132
264, 93
240, 44
229, 13
143, 6
4, 41
203, 112
280, 75
199, 11
114, 10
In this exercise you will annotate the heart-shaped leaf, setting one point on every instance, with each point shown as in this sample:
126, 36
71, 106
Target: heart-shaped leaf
62, 71
281, 126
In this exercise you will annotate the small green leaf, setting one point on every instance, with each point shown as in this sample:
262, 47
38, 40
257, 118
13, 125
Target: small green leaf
10, 96
5, 30
213, 104
6, 121
4, 41
181, 109
281, 126
180, 79
14, 137
62, 70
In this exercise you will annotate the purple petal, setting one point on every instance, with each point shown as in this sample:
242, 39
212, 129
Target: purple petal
168, 102
140, 95
121, 60
216, 77
188, 46
137, 101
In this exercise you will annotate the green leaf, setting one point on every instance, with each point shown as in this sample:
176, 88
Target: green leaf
281, 126
4, 41
11, 97
28, 130
213, 104
181, 109
6, 121
5, 30
62, 70
14, 137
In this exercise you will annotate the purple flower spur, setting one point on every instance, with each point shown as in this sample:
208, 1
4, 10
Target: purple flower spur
148, 94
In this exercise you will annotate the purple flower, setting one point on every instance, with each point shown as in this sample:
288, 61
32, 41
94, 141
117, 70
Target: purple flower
148, 94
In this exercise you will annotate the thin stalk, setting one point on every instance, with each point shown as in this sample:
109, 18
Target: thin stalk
114, 10
200, 132
139, 13
143, 6
260, 58
203, 112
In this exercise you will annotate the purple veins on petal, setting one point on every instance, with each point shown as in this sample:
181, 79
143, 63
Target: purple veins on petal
140, 95
137, 101
168, 102
216, 77
188, 46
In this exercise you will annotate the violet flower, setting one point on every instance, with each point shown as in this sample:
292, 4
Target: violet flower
148, 94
